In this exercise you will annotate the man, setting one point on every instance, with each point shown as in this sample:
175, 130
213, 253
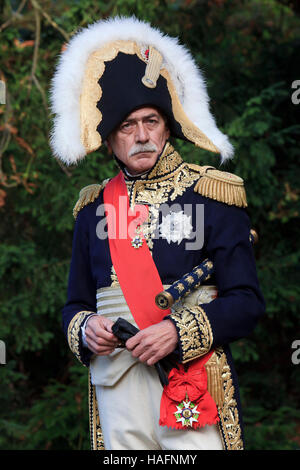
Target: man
130, 143
124, 83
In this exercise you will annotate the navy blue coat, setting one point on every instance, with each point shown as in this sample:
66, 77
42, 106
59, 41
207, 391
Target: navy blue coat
232, 315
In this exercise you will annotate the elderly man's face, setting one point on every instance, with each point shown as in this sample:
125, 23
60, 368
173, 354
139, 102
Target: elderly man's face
139, 140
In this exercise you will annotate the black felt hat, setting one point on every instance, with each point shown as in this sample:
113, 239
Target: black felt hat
122, 96
116, 66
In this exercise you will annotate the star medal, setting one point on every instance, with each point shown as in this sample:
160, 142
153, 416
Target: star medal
186, 413
137, 240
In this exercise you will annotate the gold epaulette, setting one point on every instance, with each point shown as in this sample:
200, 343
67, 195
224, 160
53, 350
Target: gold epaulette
87, 195
220, 185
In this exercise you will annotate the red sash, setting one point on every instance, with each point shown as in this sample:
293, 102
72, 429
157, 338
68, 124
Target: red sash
140, 283
135, 268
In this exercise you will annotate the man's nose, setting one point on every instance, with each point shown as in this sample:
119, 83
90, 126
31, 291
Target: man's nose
141, 134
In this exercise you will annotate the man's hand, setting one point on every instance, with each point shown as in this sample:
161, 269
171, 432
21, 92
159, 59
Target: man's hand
153, 343
99, 336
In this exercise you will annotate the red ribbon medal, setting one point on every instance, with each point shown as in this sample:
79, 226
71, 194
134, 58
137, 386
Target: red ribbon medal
185, 402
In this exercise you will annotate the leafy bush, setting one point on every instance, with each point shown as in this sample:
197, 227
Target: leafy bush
248, 51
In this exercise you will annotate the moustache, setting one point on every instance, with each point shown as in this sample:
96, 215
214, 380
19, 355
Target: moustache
139, 148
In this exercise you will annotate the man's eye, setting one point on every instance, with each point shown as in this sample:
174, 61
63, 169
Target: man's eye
126, 126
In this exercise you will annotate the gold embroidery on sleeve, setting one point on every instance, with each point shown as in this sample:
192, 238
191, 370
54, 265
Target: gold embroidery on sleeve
195, 333
74, 332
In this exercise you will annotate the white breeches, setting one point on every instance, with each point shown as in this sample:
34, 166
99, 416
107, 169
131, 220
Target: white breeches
129, 415
129, 392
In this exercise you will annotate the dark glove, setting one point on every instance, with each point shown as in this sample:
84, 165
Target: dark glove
124, 330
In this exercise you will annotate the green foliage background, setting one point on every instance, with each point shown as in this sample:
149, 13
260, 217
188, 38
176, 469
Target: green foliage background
249, 52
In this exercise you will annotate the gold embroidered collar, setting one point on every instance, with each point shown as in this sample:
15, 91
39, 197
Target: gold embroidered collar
167, 179
167, 163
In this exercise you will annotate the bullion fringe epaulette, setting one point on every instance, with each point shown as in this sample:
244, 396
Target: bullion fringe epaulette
87, 195
220, 185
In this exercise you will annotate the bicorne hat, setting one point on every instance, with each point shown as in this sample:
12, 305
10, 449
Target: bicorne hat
115, 66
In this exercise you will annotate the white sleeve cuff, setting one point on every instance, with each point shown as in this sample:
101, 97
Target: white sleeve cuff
83, 330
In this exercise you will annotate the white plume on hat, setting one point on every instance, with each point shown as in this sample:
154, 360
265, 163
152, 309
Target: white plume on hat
67, 82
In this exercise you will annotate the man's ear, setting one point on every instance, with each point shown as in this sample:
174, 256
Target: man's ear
168, 132
109, 147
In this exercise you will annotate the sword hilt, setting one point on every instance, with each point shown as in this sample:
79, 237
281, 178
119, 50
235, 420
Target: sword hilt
190, 281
